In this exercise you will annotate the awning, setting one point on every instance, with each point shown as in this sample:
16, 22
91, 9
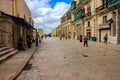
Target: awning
104, 26
17, 20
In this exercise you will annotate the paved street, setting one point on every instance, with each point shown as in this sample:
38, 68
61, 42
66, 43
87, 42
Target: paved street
10, 68
70, 60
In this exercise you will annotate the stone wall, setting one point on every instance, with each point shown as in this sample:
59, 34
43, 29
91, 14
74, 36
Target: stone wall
6, 33
6, 6
18, 8
23, 10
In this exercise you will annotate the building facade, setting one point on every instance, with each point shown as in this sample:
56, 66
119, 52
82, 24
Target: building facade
15, 22
53, 33
16, 8
114, 8
65, 28
40, 32
94, 18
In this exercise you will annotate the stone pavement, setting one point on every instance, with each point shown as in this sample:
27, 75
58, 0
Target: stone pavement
70, 60
13, 66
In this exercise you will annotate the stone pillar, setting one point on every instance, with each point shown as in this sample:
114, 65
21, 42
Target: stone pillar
112, 33
14, 7
117, 23
76, 30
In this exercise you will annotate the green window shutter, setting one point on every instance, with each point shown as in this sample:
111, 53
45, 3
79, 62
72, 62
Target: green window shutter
81, 0
111, 2
79, 15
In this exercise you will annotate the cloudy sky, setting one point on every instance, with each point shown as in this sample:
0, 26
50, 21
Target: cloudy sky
47, 13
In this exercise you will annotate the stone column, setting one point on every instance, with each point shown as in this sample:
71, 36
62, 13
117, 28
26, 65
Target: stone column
14, 7
112, 33
117, 23
76, 30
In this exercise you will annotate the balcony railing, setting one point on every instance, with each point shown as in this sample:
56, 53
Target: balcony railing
101, 7
88, 14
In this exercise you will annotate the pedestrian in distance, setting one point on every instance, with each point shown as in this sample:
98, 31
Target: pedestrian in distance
60, 37
45, 36
66, 37
36, 41
69, 36
40, 39
21, 44
29, 41
85, 41
106, 38
81, 38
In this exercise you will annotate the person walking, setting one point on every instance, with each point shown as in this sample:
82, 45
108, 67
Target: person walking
29, 41
106, 38
85, 41
36, 41
21, 44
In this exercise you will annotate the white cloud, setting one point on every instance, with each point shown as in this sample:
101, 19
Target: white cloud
45, 16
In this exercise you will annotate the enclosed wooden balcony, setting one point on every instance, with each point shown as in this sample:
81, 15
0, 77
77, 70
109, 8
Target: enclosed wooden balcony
113, 2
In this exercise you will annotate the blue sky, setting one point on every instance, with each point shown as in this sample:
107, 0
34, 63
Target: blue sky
53, 2
47, 13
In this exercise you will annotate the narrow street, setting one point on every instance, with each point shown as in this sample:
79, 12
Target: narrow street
69, 60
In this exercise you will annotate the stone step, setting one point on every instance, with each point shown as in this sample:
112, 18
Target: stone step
4, 52
5, 57
3, 48
2, 45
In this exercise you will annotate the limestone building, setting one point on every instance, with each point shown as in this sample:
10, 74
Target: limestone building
53, 33
93, 18
16, 8
65, 28
40, 32
15, 22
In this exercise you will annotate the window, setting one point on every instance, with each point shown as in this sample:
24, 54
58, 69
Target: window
68, 16
63, 19
89, 11
88, 23
104, 19
73, 5
104, 1
82, 0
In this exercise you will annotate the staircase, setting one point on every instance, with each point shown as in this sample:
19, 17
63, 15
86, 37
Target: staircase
6, 52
